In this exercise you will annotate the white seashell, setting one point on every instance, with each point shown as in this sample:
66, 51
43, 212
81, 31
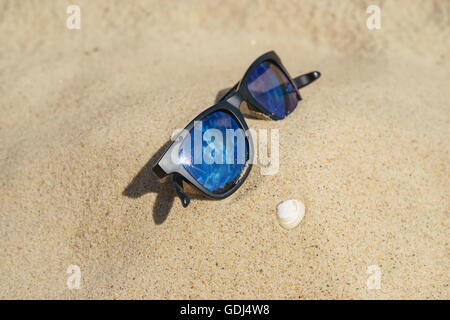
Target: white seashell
290, 213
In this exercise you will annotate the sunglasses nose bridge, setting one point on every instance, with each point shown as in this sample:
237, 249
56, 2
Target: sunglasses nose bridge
235, 100
230, 92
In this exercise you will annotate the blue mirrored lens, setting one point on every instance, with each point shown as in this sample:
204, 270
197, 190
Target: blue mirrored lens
215, 151
272, 89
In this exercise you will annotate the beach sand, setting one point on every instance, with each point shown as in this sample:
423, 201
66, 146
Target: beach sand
84, 114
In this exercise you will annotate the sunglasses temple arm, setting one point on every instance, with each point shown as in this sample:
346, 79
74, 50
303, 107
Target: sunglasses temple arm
178, 184
304, 80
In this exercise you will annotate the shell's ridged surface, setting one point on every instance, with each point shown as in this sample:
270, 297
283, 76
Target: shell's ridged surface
290, 213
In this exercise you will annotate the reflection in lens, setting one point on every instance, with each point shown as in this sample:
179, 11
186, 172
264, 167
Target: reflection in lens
222, 148
272, 89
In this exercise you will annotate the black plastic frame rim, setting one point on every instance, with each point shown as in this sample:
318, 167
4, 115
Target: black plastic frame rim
245, 94
166, 165
241, 88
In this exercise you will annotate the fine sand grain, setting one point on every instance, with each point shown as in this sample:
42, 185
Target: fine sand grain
85, 112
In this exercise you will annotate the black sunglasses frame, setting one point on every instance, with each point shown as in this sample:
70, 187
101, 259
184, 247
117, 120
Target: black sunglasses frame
166, 165
241, 88
230, 104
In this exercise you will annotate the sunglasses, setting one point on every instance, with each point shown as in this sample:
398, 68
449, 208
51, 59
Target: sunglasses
214, 152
